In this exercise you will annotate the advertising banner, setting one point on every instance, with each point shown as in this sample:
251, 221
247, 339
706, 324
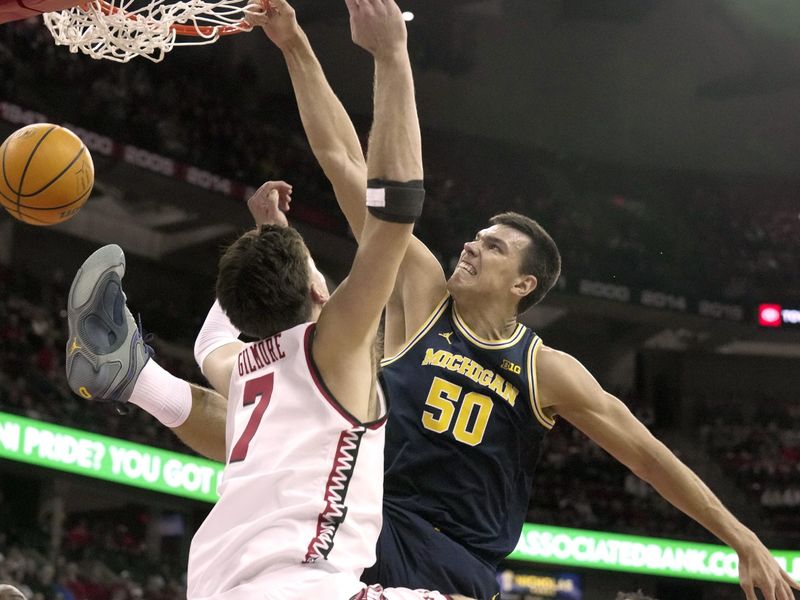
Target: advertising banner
112, 459
634, 554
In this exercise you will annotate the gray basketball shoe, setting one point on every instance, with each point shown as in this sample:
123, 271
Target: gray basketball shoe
105, 349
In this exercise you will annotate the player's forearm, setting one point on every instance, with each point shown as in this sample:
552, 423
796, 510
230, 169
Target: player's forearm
395, 145
329, 130
204, 429
683, 489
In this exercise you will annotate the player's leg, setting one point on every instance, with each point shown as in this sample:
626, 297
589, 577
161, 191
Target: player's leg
412, 553
108, 360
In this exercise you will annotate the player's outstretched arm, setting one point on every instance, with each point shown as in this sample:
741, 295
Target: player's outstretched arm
204, 429
334, 141
328, 127
349, 322
566, 388
408, 306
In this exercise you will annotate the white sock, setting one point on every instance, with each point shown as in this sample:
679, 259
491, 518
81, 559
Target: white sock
163, 395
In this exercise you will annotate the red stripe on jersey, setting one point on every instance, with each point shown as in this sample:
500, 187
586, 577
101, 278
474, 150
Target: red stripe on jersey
335, 511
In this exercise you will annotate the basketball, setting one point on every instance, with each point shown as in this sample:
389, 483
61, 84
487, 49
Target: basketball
47, 174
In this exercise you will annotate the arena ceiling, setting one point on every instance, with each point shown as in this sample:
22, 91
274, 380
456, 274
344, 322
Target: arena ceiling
692, 84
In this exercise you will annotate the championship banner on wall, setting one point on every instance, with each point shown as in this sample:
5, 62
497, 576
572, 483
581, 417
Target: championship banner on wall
651, 298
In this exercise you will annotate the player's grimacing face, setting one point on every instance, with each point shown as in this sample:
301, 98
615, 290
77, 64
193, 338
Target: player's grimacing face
491, 262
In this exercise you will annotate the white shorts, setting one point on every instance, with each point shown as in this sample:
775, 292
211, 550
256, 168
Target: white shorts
304, 583
376, 592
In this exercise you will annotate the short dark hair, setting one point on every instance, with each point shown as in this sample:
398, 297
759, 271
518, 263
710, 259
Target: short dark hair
541, 259
263, 281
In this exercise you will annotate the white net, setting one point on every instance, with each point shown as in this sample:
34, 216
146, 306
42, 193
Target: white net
115, 30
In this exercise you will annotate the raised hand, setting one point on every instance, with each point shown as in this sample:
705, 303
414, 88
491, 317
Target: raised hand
276, 17
270, 202
377, 26
758, 570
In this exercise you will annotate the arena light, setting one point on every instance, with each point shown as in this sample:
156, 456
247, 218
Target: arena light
769, 315
408, 15
778, 316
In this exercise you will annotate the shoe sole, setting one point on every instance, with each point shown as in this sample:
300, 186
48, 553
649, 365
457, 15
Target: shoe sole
105, 352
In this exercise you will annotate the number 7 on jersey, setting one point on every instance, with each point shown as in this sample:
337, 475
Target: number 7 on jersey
258, 391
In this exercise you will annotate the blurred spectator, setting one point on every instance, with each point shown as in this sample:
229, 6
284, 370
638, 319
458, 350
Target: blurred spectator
638, 227
761, 453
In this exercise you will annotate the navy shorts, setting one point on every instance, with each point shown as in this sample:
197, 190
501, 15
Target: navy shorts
411, 553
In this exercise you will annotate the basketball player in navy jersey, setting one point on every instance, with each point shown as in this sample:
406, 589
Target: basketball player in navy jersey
473, 392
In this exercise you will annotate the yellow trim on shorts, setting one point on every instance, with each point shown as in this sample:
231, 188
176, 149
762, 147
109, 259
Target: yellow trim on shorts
533, 385
437, 312
473, 337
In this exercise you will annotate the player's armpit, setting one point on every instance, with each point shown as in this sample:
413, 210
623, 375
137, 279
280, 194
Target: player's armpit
419, 288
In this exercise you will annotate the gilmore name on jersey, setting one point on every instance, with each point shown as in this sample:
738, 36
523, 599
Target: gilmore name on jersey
300, 500
259, 354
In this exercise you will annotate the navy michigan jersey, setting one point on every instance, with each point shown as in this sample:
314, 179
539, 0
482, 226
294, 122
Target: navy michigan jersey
464, 431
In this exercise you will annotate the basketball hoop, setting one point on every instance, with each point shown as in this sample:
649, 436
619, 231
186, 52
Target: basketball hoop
114, 30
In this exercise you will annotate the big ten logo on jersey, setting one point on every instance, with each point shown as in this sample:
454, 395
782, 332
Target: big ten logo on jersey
260, 354
507, 365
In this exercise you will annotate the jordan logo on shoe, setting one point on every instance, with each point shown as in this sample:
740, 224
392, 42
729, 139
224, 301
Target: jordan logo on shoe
74, 346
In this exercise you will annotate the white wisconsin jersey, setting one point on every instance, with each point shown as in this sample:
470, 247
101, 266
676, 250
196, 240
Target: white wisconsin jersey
300, 499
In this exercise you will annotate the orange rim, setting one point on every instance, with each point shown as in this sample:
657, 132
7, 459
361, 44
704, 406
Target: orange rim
206, 31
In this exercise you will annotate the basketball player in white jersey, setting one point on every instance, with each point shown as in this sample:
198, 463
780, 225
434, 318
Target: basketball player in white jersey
300, 501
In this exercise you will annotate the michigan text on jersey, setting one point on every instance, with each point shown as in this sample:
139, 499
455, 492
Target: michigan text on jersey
474, 371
